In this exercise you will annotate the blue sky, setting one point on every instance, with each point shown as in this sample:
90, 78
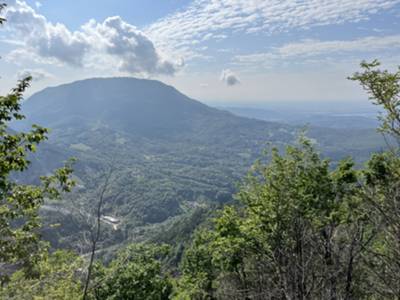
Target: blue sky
236, 51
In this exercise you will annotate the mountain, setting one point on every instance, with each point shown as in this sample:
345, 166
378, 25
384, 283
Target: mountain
140, 107
170, 155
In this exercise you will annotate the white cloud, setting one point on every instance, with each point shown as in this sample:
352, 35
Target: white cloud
37, 74
113, 40
314, 48
23, 56
180, 35
38, 4
135, 52
44, 38
229, 77
205, 20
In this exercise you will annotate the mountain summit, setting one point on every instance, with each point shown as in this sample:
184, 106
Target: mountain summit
138, 105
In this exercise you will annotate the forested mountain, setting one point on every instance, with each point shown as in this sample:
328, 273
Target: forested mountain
169, 155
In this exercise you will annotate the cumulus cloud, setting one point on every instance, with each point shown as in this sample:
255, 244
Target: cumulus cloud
44, 38
37, 74
229, 77
135, 51
24, 55
114, 40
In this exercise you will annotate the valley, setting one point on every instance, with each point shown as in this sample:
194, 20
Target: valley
170, 156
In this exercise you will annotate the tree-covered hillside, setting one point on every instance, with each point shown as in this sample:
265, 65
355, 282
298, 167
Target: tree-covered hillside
170, 155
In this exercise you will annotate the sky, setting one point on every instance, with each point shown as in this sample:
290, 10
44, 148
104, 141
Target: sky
217, 51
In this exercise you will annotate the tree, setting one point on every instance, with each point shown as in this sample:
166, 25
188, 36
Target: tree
55, 279
95, 232
297, 233
381, 190
135, 274
384, 90
198, 271
19, 203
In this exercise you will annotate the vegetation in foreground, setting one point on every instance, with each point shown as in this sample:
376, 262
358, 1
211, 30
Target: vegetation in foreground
299, 230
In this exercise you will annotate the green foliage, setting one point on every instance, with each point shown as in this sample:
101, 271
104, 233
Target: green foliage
381, 193
381, 189
294, 225
198, 271
55, 278
135, 274
19, 203
384, 90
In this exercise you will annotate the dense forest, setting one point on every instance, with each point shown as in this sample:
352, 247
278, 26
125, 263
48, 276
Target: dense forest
299, 226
